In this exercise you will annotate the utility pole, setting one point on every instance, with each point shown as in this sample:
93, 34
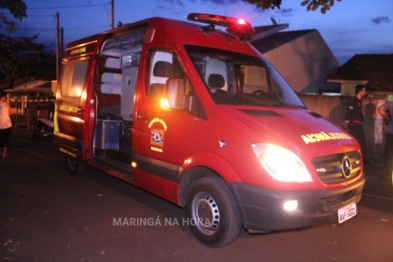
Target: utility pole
61, 45
57, 46
112, 14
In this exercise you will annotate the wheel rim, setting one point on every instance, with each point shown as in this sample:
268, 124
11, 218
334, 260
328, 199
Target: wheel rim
205, 213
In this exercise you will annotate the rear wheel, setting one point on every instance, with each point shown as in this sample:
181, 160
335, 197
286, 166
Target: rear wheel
75, 168
41, 131
212, 211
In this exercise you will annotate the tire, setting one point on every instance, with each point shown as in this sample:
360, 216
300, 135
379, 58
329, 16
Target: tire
40, 132
39, 129
213, 215
76, 168
43, 131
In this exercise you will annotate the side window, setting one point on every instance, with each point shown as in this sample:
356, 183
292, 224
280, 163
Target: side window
73, 79
160, 69
163, 65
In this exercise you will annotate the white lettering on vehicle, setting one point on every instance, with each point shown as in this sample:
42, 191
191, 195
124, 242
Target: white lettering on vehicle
322, 136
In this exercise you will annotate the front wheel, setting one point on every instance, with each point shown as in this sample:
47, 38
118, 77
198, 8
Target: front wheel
42, 131
75, 168
213, 213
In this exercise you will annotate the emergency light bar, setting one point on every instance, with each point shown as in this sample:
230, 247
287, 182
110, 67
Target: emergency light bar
235, 26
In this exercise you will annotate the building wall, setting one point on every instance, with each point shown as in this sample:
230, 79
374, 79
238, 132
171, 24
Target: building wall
304, 63
348, 89
333, 108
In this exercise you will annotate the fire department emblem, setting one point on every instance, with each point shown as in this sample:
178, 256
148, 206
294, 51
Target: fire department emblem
157, 137
157, 134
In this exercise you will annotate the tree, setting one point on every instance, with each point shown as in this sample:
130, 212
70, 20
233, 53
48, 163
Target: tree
312, 5
22, 59
17, 9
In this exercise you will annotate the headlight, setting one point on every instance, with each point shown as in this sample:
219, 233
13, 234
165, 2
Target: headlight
281, 164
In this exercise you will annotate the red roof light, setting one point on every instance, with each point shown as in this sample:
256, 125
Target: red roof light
241, 21
238, 27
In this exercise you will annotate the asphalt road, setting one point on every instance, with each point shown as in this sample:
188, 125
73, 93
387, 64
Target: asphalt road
48, 215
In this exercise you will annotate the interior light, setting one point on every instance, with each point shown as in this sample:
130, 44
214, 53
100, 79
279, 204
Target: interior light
84, 95
77, 91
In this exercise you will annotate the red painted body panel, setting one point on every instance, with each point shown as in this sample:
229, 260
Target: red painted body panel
159, 186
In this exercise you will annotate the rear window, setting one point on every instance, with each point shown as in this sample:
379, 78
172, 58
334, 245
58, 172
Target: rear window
73, 79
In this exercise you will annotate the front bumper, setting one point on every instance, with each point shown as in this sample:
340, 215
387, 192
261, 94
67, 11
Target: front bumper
262, 209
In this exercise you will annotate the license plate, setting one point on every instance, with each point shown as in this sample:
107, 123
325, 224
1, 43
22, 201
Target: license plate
346, 212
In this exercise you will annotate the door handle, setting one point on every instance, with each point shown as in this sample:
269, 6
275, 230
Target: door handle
79, 109
142, 117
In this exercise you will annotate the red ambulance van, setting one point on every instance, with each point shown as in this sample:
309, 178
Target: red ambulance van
191, 112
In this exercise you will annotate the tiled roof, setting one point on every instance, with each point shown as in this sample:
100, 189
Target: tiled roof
374, 68
271, 42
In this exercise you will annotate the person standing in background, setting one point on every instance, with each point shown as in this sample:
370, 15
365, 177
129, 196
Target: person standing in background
51, 107
5, 125
354, 117
31, 113
385, 110
378, 123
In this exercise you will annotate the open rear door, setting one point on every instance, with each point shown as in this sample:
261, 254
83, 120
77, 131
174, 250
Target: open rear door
74, 111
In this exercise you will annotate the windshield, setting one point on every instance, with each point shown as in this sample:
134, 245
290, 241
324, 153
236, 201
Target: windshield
238, 79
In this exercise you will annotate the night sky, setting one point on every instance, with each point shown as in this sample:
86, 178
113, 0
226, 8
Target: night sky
350, 27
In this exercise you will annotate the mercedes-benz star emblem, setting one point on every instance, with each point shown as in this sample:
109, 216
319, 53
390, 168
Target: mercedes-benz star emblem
346, 167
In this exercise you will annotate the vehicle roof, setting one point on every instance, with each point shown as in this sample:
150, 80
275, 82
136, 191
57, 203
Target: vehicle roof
117, 30
176, 32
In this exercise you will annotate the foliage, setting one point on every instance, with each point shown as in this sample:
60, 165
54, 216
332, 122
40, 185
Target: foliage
22, 59
315, 4
312, 5
265, 4
17, 9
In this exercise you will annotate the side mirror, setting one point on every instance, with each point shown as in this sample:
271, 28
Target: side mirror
175, 93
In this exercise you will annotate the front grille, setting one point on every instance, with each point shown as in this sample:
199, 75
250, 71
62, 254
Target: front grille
330, 168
